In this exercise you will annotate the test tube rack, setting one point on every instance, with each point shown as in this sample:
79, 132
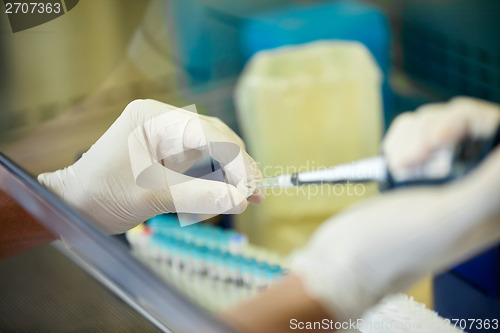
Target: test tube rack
215, 267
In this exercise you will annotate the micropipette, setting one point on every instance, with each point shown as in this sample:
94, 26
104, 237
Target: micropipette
444, 165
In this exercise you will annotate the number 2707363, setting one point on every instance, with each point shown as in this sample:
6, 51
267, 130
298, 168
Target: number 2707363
467, 324
32, 8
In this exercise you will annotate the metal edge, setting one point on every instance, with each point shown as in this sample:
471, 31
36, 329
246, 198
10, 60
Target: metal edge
167, 305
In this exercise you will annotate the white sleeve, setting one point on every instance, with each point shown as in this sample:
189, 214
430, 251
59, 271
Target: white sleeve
389, 243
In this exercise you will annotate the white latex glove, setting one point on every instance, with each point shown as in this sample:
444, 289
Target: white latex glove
385, 245
414, 136
134, 171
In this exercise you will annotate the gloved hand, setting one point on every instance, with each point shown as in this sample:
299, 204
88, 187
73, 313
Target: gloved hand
387, 244
414, 136
134, 171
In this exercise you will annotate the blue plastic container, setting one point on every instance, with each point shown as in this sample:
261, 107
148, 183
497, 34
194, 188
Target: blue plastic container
207, 36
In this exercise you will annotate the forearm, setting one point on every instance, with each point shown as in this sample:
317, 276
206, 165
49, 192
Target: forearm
278, 309
19, 230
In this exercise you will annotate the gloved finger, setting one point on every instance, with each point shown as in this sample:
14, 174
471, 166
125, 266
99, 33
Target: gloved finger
258, 194
482, 117
411, 141
241, 172
183, 161
460, 117
240, 169
158, 129
177, 138
221, 143
201, 196
444, 127
413, 137
435, 128
402, 145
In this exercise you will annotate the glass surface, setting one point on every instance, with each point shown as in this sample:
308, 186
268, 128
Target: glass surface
65, 78
107, 259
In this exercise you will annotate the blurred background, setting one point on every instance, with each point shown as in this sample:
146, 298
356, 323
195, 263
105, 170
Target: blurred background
307, 84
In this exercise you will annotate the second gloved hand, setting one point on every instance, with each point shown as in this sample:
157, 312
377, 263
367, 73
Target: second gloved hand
414, 136
385, 245
135, 170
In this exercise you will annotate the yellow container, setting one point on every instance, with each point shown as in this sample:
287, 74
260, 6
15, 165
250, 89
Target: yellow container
303, 108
